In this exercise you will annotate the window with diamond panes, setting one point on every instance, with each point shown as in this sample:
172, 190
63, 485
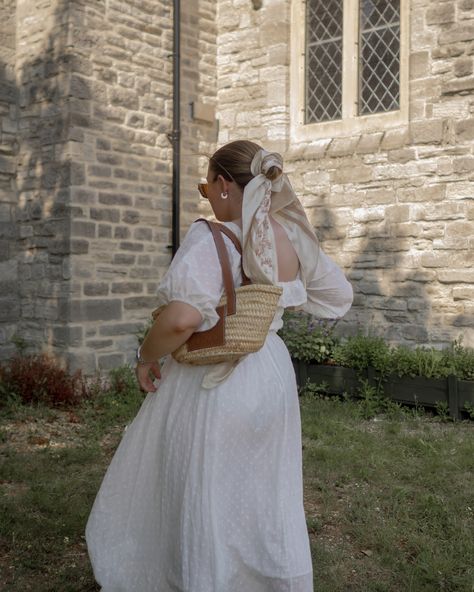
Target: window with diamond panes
379, 73
324, 31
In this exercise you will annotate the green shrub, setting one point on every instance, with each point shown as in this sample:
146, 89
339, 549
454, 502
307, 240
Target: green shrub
312, 341
306, 338
360, 352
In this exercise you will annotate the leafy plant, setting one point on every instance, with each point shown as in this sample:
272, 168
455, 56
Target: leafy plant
459, 360
308, 339
442, 409
469, 407
310, 389
360, 352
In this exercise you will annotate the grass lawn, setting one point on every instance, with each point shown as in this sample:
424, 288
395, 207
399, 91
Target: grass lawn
389, 501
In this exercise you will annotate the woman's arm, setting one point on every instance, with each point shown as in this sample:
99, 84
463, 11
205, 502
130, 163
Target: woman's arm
173, 327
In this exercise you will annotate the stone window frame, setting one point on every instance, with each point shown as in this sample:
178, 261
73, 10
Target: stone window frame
351, 123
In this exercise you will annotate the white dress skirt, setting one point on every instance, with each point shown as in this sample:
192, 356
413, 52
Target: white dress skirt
205, 490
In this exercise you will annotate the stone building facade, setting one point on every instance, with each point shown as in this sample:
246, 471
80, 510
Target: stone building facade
85, 165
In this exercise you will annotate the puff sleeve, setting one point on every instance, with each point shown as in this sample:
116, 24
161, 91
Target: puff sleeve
194, 275
329, 294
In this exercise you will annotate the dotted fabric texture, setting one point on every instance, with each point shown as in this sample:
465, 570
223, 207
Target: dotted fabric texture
204, 492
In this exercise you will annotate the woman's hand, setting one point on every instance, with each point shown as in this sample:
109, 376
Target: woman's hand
146, 374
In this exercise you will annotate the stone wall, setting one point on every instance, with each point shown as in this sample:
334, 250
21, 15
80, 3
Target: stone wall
121, 114
85, 167
9, 304
394, 207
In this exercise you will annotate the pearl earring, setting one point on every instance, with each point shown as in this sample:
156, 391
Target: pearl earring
224, 195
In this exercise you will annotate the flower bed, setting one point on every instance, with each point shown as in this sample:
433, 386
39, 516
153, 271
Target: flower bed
422, 376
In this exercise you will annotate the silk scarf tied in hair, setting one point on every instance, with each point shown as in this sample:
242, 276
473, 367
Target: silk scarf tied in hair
262, 199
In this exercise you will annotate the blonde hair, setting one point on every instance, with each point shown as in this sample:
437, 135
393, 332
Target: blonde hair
233, 161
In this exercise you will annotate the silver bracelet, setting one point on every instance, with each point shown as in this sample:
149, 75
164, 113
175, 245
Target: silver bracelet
138, 356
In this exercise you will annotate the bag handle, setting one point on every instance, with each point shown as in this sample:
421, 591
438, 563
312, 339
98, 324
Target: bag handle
227, 278
245, 279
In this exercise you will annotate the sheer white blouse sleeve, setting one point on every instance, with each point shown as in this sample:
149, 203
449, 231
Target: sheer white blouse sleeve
329, 294
195, 275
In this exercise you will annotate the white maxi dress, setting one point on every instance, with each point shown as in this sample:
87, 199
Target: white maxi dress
204, 492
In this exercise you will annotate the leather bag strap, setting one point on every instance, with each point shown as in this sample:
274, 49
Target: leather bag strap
227, 278
245, 280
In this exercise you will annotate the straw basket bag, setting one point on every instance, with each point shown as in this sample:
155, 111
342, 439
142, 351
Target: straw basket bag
245, 314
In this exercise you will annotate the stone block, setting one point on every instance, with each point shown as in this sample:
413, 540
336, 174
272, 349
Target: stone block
96, 289
99, 343
465, 130
9, 308
402, 155
466, 4
121, 329
463, 293
67, 336
463, 67
425, 194
83, 196
105, 214
136, 120
79, 246
91, 310
143, 234
359, 173
81, 361
124, 259
103, 144
123, 97
140, 302
105, 231
464, 164
440, 14
79, 87
110, 361
127, 288
460, 190
432, 259
460, 230
395, 138
129, 246
457, 33
342, 146
419, 65
397, 213
7, 165
81, 228
99, 171
108, 158
458, 86
369, 143
369, 214
121, 232
463, 276
426, 132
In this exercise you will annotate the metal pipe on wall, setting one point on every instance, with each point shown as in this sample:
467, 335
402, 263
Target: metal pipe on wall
175, 135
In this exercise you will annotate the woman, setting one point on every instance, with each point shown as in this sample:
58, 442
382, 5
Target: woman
204, 493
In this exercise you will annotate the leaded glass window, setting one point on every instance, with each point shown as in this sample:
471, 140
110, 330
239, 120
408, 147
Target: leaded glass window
379, 74
323, 60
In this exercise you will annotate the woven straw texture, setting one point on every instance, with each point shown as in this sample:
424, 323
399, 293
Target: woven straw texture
245, 331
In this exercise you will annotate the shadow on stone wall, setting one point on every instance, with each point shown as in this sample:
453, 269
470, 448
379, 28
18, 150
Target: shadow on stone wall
400, 295
399, 305
42, 219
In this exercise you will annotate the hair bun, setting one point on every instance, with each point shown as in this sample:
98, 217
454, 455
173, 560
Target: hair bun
273, 173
